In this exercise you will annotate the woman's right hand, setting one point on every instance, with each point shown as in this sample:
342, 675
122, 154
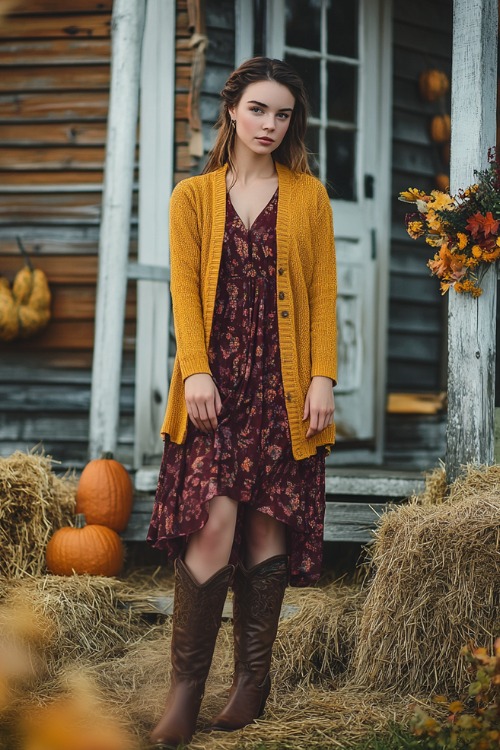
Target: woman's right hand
203, 401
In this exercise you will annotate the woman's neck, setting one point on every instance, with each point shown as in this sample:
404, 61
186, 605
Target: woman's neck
250, 167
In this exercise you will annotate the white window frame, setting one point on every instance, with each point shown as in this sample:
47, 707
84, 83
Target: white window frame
277, 48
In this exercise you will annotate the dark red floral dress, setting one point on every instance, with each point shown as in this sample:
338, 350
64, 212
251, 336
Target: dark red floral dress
249, 456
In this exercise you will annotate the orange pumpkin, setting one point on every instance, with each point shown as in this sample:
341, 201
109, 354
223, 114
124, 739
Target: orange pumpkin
443, 182
432, 84
95, 550
441, 128
105, 493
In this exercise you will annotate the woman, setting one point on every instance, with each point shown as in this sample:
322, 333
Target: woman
249, 419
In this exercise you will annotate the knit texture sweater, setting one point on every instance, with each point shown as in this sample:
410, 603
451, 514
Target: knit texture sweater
306, 288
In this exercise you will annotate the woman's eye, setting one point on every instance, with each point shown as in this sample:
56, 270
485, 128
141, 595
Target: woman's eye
283, 115
256, 109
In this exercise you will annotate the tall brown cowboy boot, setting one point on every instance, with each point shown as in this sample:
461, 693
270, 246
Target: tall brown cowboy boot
196, 622
258, 595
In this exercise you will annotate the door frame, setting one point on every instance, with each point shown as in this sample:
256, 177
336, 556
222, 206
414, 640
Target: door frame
376, 30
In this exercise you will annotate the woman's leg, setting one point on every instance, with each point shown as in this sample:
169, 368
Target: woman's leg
201, 582
209, 548
264, 537
259, 586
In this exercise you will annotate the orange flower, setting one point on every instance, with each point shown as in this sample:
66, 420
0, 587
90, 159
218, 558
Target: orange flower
462, 240
441, 264
477, 251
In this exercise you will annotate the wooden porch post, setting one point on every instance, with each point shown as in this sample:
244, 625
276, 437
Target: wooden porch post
127, 31
471, 322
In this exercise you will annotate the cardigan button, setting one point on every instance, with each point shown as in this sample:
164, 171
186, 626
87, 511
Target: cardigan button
284, 314
282, 295
281, 271
289, 396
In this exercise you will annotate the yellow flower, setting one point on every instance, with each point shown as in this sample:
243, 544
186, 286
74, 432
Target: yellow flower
415, 229
433, 221
434, 240
477, 251
441, 200
465, 287
471, 190
462, 240
411, 195
491, 256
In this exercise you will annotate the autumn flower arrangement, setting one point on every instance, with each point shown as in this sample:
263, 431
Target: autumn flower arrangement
464, 228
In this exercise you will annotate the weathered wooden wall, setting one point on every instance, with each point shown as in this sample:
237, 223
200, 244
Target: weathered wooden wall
55, 69
417, 354
184, 58
417, 314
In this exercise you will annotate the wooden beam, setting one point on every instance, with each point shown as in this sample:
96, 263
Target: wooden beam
155, 186
127, 31
471, 322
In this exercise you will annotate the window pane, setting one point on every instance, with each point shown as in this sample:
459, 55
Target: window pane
302, 19
343, 27
340, 161
342, 93
312, 143
308, 70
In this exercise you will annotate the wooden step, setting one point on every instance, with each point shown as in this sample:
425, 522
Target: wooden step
344, 521
367, 482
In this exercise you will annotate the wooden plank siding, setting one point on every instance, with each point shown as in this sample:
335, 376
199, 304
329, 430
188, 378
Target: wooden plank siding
416, 336
183, 61
220, 30
416, 356
55, 71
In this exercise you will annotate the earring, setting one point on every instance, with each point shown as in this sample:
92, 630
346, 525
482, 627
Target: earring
233, 123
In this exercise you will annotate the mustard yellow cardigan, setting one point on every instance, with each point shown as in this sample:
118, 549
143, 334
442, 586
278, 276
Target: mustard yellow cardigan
306, 291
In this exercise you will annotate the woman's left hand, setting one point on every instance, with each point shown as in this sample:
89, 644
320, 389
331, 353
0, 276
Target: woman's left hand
319, 405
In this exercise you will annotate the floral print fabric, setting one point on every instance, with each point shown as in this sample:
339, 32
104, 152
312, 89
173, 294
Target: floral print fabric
248, 457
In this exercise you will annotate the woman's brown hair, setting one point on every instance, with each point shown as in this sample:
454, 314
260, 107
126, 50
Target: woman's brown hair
292, 151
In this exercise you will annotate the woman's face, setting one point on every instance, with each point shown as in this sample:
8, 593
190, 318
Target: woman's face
263, 116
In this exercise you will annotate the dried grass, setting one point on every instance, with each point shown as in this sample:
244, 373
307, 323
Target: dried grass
435, 588
435, 489
316, 645
347, 663
34, 502
76, 619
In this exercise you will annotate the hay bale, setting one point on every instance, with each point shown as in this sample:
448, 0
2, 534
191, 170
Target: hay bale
75, 619
436, 487
330, 618
435, 588
34, 502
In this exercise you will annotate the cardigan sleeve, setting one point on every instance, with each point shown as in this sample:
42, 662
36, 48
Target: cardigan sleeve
323, 293
185, 283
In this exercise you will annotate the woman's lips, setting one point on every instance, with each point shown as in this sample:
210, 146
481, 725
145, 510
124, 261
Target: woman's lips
265, 140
